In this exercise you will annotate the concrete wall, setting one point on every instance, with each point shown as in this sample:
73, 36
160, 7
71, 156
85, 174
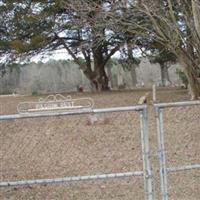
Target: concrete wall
61, 76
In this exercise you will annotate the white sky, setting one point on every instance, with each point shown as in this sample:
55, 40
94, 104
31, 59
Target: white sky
62, 54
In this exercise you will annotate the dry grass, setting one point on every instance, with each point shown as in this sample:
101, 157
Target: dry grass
69, 146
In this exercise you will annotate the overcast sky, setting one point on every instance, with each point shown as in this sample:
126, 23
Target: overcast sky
62, 54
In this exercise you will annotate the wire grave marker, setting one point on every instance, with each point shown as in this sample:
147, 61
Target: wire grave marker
55, 103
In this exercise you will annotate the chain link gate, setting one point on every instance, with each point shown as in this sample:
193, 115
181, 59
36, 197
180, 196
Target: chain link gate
145, 172
162, 152
177, 116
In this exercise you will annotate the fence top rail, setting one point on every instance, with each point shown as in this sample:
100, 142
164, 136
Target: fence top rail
177, 104
73, 112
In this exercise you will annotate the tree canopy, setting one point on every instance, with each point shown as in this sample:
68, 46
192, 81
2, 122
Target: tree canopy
96, 29
79, 27
173, 25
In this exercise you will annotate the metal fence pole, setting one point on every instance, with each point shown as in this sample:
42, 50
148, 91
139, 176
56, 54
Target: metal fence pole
69, 179
161, 154
148, 179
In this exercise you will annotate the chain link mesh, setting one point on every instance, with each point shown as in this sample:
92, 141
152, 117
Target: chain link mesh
182, 136
72, 146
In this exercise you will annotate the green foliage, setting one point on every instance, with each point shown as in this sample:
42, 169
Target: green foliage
81, 60
18, 46
111, 62
5, 67
183, 77
127, 63
157, 52
4, 44
163, 56
35, 93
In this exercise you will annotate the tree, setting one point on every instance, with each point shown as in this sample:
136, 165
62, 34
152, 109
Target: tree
159, 54
78, 26
120, 17
17, 37
129, 62
176, 26
4, 45
164, 59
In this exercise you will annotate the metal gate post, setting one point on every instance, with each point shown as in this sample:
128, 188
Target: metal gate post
148, 179
161, 153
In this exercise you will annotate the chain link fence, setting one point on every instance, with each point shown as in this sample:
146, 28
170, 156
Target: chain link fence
101, 153
76, 148
178, 128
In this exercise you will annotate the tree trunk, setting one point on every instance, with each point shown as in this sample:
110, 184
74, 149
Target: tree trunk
196, 16
101, 78
164, 74
132, 64
134, 75
194, 85
191, 73
98, 78
110, 78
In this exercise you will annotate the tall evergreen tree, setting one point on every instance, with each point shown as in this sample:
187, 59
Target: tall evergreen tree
80, 27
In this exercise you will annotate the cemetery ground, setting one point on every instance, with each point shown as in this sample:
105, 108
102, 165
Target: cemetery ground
78, 145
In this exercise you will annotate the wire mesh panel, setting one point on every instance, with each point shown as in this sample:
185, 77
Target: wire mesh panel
63, 147
178, 128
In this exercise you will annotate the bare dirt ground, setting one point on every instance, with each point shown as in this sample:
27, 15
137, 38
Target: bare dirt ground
70, 146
